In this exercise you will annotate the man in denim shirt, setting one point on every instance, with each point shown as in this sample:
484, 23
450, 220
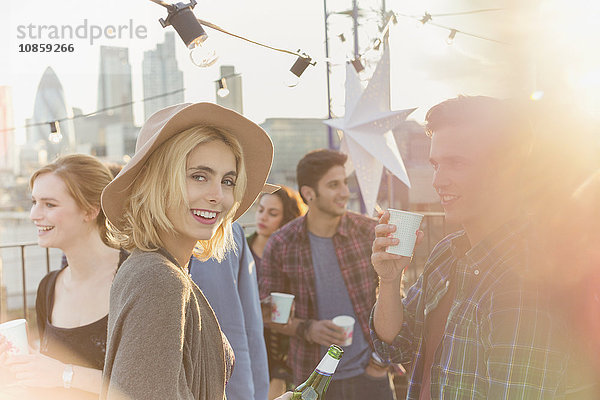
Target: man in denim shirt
232, 291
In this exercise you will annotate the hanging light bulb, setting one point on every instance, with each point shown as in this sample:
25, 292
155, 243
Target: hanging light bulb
451, 36
202, 53
424, 19
377, 44
293, 78
358, 65
55, 136
222, 91
191, 32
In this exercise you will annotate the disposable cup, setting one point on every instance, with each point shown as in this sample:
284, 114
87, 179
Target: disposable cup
15, 332
407, 225
346, 322
281, 305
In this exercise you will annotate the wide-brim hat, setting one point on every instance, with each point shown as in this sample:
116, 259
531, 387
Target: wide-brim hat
257, 150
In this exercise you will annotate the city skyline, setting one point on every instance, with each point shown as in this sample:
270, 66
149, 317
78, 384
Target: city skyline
425, 69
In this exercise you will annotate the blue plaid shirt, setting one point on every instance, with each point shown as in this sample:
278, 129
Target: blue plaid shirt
499, 340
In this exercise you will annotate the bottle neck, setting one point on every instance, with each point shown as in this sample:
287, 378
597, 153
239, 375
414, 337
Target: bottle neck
327, 365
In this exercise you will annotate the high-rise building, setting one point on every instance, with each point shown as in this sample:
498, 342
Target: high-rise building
292, 139
114, 83
161, 75
233, 100
50, 105
7, 156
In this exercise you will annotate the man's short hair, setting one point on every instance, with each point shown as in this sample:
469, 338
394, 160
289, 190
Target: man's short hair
315, 164
483, 111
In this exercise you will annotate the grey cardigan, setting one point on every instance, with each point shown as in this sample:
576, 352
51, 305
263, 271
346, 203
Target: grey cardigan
164, 341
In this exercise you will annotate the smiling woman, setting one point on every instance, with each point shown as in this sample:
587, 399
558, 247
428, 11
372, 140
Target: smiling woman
66, 211
178, 195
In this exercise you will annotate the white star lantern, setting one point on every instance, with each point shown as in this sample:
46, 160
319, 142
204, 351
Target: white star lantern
366, 130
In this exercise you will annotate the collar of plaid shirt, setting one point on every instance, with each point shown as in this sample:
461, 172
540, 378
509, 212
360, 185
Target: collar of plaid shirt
499, 340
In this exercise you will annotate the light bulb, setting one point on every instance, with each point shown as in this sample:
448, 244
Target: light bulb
223, 92
291, 80
55, 137
201, 52
451, 36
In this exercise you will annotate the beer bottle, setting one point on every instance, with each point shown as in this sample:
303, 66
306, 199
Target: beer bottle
315, 386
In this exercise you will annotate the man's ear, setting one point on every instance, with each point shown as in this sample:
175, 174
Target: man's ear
307, 193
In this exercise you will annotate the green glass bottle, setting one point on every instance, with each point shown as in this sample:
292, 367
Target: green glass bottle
315, 386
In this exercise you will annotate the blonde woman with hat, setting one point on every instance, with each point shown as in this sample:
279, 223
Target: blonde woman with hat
179, 194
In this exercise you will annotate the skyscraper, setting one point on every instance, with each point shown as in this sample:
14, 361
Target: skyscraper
50, 105
161, 75
114, 83
6, 136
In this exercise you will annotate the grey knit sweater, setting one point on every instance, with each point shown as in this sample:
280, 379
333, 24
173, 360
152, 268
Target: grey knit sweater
164, 341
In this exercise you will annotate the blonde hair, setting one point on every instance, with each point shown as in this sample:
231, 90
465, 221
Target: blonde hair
85, 177
162, 183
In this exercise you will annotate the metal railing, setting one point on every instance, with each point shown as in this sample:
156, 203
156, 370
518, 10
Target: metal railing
434, 226
21, 247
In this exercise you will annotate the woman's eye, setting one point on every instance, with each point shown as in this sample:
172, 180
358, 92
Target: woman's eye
199, 178
49, 205
229, 182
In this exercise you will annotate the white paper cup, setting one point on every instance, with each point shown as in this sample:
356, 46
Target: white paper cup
15, 332
281, 305
407, 225
346, 322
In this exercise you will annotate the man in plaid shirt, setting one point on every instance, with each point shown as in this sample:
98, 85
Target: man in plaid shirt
472, 326
324, 259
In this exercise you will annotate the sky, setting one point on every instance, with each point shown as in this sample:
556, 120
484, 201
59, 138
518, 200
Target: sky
551, 45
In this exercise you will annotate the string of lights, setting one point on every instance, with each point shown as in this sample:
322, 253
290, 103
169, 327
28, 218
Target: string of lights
55, 122
191, 31
427, 19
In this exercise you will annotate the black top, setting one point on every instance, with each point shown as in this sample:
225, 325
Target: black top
84, 345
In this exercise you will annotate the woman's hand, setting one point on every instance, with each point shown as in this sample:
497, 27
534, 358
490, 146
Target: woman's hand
285, 396
388, 266
36, 370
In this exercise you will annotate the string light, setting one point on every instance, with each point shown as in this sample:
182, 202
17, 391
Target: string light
302, 62
222, 91
451, 36
182, 18
425, 19
358, 65
55, 136
102, 110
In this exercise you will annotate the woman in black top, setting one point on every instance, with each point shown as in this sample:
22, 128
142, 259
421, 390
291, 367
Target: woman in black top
72, 303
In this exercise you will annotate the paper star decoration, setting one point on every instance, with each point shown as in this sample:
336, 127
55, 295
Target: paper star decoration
366, 130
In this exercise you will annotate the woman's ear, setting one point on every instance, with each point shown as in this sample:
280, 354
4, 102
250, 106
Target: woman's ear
92, 214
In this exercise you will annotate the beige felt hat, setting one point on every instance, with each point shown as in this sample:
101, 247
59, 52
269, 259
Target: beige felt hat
257, 150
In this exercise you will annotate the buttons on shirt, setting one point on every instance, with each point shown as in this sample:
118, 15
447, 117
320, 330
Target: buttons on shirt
447, 283
476, 272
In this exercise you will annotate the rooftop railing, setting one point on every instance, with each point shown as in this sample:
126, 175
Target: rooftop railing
433, 225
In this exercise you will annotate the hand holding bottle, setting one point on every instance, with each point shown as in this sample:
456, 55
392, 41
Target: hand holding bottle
388, 266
